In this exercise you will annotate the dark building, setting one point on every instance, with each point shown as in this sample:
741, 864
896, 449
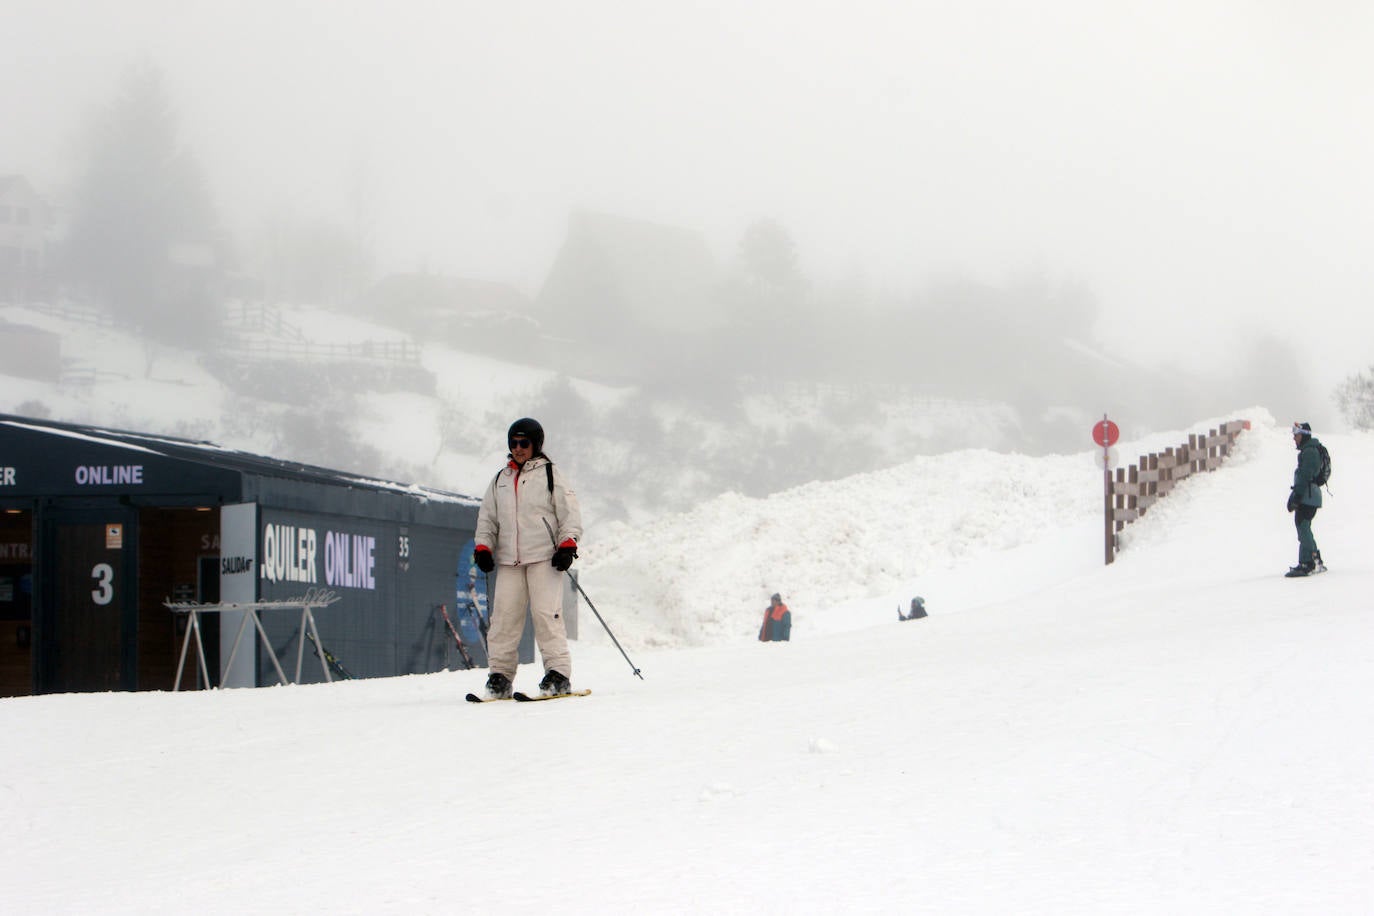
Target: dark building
99, 527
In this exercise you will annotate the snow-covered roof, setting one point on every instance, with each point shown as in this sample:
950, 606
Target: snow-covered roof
218, 456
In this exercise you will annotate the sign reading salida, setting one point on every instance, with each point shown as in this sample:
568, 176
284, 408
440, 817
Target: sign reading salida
291, 554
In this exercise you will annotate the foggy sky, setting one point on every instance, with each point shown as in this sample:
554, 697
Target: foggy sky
1194, 163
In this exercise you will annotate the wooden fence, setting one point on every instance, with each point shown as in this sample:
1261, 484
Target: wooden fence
66, 312
389, 351
257, 316
290, 342
1139, 486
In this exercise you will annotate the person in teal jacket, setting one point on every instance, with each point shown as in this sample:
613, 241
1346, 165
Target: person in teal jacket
1304, 500
918, 609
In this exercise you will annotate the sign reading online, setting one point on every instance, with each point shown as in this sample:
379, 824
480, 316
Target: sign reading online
291, 554
107, 474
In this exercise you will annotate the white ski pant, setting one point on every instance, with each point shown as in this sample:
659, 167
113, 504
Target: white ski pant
538, 587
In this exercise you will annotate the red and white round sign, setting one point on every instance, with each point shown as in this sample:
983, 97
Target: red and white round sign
1106, 433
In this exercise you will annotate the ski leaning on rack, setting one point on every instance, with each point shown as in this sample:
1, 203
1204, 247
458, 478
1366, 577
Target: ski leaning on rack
458, 640
334, 664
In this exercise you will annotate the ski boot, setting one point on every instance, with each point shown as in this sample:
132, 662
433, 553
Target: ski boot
498, 687
554, 684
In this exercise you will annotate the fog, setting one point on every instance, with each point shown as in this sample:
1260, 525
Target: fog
1198, 171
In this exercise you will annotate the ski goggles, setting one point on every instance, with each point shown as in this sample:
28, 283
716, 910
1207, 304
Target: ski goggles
521, 443
1299, 431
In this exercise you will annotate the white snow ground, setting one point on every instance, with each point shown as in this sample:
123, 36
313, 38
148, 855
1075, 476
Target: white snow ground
1184, 731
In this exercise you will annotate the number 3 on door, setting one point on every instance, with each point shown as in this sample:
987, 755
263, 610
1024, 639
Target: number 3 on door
103, 574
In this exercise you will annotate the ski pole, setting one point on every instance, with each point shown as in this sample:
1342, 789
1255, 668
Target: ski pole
578, 585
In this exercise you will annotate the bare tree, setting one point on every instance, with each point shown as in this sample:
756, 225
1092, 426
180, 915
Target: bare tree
1355, 399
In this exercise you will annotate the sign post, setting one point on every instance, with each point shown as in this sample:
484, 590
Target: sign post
1106, 434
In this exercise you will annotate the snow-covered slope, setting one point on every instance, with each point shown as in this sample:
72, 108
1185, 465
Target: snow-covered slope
1184, 731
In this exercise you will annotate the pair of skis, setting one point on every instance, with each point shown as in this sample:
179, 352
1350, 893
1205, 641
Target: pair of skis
525, 697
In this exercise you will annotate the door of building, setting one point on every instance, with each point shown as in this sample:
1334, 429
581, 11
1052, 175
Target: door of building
87, 611
16, 591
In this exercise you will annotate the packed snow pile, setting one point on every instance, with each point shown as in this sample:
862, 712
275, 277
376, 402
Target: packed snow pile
703, 577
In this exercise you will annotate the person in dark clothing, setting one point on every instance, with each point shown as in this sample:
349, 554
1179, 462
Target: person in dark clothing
777, 621
1304, 500
918, 609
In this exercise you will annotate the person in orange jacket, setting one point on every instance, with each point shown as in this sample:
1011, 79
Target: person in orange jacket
777, 622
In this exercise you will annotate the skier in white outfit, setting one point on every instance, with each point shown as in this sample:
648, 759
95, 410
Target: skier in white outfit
527, 530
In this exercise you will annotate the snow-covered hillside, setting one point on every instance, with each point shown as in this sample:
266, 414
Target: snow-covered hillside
314, 385
1184, 731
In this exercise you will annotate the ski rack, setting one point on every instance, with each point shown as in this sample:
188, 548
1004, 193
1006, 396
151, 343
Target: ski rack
313, 598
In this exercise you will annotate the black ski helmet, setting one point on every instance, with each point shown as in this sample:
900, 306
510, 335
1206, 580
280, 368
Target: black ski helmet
526, 428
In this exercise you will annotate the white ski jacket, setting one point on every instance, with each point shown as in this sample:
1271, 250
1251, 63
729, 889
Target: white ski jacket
515, 507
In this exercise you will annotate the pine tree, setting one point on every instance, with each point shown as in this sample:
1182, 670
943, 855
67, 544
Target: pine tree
144, 240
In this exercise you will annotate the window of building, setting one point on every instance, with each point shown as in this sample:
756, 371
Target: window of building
22, 214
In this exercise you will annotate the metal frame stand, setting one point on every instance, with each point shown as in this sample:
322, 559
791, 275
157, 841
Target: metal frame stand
314, 598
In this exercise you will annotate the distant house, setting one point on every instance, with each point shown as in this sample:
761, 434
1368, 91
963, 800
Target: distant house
614, 275
25, 221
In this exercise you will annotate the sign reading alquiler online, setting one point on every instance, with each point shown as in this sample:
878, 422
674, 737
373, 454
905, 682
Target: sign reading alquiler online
292, 554
89, 475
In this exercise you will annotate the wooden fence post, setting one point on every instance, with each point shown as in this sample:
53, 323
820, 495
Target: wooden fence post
1109, 535
1140, 485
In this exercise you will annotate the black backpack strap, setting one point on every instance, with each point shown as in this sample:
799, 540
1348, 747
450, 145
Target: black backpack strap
549, 468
